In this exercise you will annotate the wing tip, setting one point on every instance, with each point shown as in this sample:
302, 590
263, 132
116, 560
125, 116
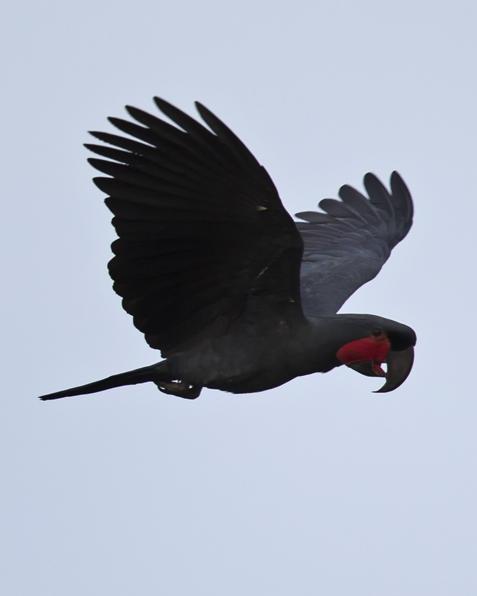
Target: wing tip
103, 183
393, 207
131, 110
95, 134
313, 217
161, 103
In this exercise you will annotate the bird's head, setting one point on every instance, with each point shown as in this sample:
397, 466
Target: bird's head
368, 342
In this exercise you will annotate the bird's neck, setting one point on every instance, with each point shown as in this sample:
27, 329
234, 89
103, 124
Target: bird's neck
324, 336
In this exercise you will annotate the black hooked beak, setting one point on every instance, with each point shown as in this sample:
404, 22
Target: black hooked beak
399, 365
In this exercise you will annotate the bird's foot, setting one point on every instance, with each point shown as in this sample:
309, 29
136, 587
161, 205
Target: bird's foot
179, 388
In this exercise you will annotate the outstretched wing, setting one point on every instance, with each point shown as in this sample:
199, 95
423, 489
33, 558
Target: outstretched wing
346, 246
202, 231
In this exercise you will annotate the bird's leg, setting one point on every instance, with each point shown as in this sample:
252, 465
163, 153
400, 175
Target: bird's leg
166, 383
179, 388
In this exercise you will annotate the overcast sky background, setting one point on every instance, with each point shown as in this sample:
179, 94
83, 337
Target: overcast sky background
319, 486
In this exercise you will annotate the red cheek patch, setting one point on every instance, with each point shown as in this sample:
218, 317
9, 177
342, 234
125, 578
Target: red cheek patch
367, 348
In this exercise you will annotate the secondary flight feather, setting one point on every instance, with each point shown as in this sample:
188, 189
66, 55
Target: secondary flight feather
218, 276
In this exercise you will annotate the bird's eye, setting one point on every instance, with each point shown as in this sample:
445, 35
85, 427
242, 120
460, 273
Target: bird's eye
377, 332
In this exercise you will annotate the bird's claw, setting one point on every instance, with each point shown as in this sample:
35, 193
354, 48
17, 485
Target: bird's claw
180, 389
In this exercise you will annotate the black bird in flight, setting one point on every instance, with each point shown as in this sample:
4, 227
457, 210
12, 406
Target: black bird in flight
218, 276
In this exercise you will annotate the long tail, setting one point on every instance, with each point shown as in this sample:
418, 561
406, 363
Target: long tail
132, 377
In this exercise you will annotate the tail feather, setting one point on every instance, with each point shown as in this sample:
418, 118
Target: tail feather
131, 377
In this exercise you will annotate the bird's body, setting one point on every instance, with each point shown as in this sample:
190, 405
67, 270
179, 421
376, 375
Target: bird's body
216, 274
243, 362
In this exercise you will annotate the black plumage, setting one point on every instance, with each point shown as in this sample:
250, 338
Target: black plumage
215, 272
348, 244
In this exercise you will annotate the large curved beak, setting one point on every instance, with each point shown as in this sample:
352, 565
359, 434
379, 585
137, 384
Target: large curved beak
399, 365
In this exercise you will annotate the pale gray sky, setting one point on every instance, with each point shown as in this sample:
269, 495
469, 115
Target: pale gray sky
317, 487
